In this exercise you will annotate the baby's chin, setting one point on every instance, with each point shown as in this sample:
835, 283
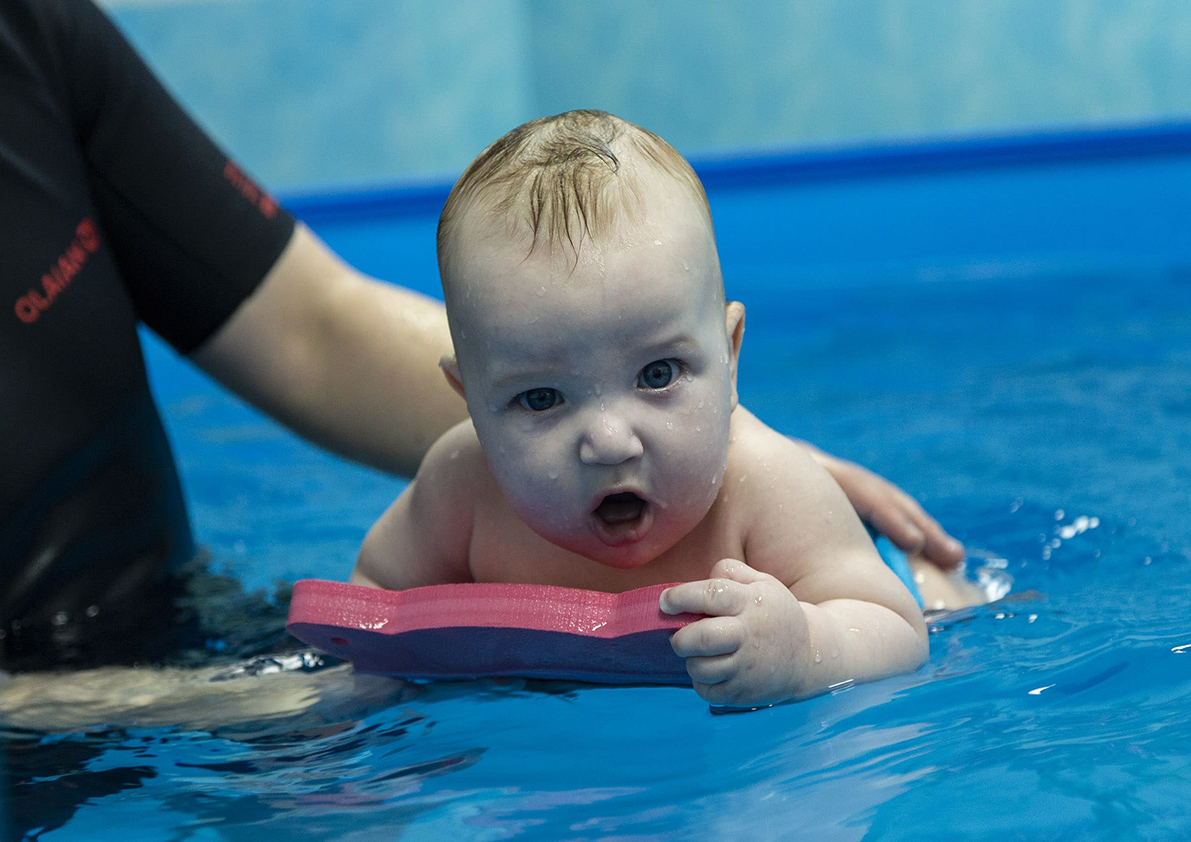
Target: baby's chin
621, 551
627, 557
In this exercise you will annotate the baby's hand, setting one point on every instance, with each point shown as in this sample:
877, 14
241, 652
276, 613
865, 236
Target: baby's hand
752, 649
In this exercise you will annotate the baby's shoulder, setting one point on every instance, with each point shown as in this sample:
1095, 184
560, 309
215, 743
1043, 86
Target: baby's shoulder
455, 463
792, 516
773, 481
759, 450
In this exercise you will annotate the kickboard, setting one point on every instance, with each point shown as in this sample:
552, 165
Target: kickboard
462, 631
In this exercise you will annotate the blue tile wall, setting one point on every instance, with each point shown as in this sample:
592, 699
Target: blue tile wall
316, 92
331, 91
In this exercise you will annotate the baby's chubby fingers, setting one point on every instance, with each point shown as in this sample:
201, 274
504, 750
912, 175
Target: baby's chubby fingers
708, 637
738, 571
718, 596
711, 670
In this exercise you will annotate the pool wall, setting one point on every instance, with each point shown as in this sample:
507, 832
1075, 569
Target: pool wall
310, 92
1057, 203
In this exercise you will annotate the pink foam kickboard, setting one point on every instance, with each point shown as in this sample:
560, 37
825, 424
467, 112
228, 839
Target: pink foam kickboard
475, 630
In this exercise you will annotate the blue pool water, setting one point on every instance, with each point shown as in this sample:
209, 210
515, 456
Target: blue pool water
1043, 416
1015, 410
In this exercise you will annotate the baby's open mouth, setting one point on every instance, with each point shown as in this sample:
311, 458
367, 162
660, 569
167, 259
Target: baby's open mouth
616, 509
622, 518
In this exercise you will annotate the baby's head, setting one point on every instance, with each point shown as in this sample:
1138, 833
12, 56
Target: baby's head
593, 342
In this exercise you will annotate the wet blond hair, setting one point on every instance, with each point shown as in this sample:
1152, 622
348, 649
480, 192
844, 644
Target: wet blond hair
559, 179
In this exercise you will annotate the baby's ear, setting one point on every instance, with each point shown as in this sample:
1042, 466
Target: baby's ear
735, 325
450, 370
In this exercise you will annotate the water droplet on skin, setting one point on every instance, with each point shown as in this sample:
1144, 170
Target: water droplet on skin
698, 429
685, 266
541, 291
818, 657
598, 390
834, 653
553, 475
657, 242
757, 599
669, 425
743, 478
700, 404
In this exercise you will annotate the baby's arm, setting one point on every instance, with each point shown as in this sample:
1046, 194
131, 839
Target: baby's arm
815, 605
423, 538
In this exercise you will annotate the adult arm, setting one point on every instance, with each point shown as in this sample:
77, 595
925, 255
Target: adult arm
347, 361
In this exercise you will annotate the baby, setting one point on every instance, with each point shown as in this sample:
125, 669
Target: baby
606, 449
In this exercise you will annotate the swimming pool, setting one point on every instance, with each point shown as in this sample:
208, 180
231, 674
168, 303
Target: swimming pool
1002, 326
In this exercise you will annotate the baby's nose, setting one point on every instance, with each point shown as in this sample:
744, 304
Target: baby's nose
610, 440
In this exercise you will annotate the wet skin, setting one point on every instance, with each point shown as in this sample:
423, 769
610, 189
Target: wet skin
606, 451
601, 391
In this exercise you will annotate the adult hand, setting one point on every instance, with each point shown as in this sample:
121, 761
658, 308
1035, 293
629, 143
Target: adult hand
891, 511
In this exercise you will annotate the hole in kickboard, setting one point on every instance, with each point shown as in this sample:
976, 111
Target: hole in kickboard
339, 641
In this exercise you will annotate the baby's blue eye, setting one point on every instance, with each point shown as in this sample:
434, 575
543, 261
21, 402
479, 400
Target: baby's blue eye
539, 400
658, 374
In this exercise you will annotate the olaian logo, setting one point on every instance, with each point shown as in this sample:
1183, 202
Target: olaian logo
32, 304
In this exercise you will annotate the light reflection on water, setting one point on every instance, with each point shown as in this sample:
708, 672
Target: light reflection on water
1045, 427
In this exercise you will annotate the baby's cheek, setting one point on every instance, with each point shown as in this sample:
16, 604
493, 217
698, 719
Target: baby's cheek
694, 477
537, 485
705, 458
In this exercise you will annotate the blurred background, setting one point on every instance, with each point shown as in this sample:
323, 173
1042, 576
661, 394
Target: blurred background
312, 94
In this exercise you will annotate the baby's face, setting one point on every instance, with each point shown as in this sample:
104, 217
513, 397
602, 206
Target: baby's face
601, 396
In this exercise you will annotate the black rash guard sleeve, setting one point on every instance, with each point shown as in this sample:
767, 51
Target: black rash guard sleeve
191, 233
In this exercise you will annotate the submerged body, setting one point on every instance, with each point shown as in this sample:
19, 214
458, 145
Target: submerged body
606, 449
